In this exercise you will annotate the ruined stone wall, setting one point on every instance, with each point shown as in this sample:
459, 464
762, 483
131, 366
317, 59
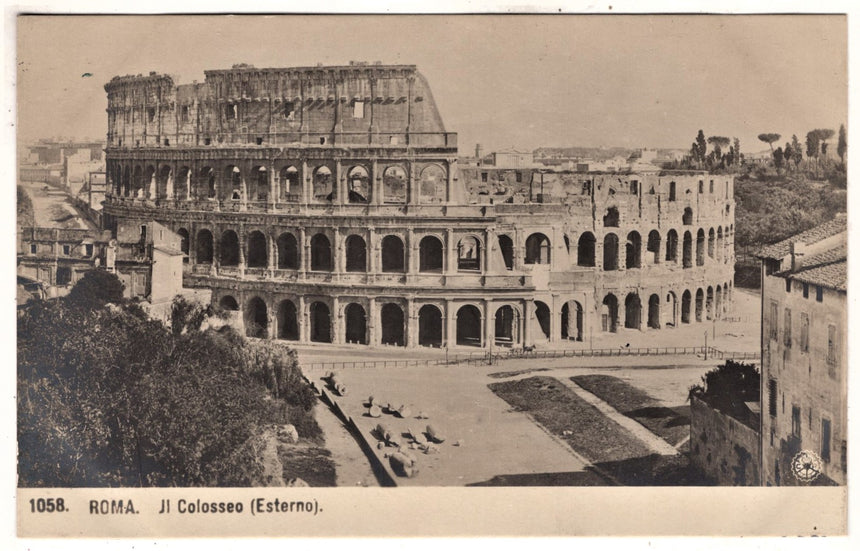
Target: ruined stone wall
722, 448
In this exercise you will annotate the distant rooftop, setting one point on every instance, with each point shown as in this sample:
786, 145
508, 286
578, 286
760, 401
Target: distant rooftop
828, 229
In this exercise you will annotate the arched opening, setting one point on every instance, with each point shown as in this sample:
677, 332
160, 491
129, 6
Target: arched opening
258, 250
585, 250
256, 319
356, 254
148, 183
653, 245
320, 253
506, 327
356, 324
234, 176
392, 254
358, 185
227, 302
288, 325
204, 247
571, 321
183, 242
430, 326
289, 183
672, 191
543, 318
632, 311
720, 244
182, 185
711, 239
709, 303
320, 322
654, 312
687, 218
432, 186
506, 246
259, 184
229, 249
611, 218
394, 185
718, 303
126, 182
430, 254
393, 327
165, 175
633, 250
609, 314
700, 303
700, 248
206, 187
469, 326
537, 249
610, 252
688, 250
323, 185
469, 254
137, 182
672, 246
288, 252
670, 312
686, 300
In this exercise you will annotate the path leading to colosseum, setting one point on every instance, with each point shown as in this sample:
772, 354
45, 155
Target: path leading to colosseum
351, 465
52, 208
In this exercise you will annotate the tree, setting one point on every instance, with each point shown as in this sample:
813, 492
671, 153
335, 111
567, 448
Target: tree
787, 153
701, 147
842, 145
797, 152
824, 134
737, 152
769, 139
26, 215
719, 142
778, 159
97, 288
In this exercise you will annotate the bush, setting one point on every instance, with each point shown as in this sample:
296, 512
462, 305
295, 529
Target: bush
97, 288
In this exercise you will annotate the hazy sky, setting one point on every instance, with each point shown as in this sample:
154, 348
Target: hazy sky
524, 81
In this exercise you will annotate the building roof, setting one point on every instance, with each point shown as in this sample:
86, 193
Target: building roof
828, 229
827, 268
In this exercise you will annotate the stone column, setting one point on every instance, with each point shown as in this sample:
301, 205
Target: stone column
412, 191
373, 331
336, 321
528, 316
272, 250
336, 252
411, 324
411, 252
375, 183
450, 324
339, 185
274, 191
305, 181
303, 319
449, 189
489, 246
371, 251
555, 319
489, 324
243, 243
450, 253
272, 314
304, 249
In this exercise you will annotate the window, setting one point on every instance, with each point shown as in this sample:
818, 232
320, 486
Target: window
671, 191
150, 113
819, 293
795, 421
184, 113
806, 290
804, 332
358, 110
825, 440
786, 330
701, 186
259, 140
771, 397
634, 187
207, 141
289, 110
831, 345
711, 187
166, 141
231, 111
787, 285
519, 176
773, 320
66, 250
142, 232
483, 176
88, 250
33, 248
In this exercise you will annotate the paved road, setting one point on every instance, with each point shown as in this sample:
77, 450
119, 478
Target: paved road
53, 209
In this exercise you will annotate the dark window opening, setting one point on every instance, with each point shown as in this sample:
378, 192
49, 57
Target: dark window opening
430, 255
288, 255
469, 254
825, 440
819, 293
64, 275
150, 113
771, 398
356, 254
506, 246
392, 254
611, 218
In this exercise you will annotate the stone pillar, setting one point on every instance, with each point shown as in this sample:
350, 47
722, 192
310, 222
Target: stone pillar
489, 246
411, 186
243, 243
274, 188
528, 316
336, 252
169, 185
340, 185
304, 250
272, 251
489, 324
598, 253
375, 183
450, 253
555, 319
337, 336
373, 330
243, 185
372, 263
411, 324
188, 184
192, 243
449, 190
450, 324
305, 180
272, 332
411, 252
303, 319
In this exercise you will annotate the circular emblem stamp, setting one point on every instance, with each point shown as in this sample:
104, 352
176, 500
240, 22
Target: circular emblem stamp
806, 466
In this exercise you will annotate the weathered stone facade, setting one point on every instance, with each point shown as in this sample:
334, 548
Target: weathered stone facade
326, 205
723, 448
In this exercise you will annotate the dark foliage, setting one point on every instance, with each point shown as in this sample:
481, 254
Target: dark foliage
728, 386
26, 215
94, 290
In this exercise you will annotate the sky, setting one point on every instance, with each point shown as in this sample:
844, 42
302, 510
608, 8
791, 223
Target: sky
502, 81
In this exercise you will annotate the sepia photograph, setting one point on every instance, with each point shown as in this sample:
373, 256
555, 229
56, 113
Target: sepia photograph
286, 253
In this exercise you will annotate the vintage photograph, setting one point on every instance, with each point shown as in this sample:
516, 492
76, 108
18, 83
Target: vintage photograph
431, 251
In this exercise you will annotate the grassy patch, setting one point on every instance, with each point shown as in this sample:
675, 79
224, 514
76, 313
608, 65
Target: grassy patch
312, 464
506, 374
654, 470
670, 424
564, 414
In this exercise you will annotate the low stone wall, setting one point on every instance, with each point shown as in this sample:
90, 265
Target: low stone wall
725, 450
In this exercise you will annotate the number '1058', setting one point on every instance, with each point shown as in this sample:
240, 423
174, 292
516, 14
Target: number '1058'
47, 505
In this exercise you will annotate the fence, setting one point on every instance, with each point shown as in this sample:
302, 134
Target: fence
484, 358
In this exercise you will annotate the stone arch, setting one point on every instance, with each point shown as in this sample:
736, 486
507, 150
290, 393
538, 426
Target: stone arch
430, 254
288, 324
183, 242
229, 249
256, 318
687, 217
585, 250
259, 188
654, 311
356, 254
672, 246
355, 322
320, 253
393, 257
137, 182
709, 303
700, 247
430, 326
233, 178
323, 185
506, 246
288, 179
228, 302
670, 312
609, 314
632, 311
688, 250
720, 244
507, 325
469, 253
611, 219
543, 317
394, 182
207, 187
633, 250
432, 184
653, 245
393, 324
700, 303
204, 248
686, 301
469, 326
182, 185
572, 321
358, 185
610, 252
538, 249
258, 250
711, 240
320, 318
288, 252
149, 182
718, 303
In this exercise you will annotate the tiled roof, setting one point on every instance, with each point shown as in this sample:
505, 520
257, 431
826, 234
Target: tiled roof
833, 275
828, 229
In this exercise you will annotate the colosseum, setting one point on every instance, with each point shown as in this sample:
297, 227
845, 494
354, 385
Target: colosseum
325, 204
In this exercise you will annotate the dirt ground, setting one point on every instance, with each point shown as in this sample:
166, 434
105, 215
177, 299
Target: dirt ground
53, 209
